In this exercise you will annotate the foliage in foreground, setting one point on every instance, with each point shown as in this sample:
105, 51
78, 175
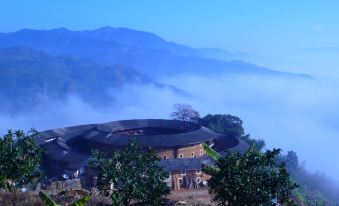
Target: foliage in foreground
130, 174
211, 152
249, 179
19, 156
47, 200
315, 188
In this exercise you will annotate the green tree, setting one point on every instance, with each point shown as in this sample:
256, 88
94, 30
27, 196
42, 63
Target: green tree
19, 156
223, 123
249, 179
130, 174
230, 125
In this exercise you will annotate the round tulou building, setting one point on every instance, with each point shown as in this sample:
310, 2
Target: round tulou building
178, 144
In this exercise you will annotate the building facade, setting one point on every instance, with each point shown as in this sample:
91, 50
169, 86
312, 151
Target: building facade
178, 144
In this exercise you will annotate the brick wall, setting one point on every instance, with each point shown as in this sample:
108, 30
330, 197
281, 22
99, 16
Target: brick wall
183, 152
190, 151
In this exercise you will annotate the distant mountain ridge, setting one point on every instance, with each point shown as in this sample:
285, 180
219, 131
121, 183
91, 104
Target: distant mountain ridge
143, 51
26, 73
121, 36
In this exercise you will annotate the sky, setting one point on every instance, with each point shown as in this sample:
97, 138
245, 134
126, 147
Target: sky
286, 35
261, 27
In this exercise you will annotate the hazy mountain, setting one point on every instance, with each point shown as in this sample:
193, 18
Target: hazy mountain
26, 73
144, 51
115, 38
221, 54
317, 50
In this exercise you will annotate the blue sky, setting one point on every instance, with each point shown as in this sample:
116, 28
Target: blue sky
259, 27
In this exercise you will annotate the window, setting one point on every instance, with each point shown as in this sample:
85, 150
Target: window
165, 157
201, 152
198, 172
81, 170
179, 181
198, 180
183, 172
192, 154
181, 156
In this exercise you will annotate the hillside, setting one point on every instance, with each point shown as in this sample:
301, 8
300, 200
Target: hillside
26, 73
144, 51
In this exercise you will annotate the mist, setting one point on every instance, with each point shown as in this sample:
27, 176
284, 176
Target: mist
289, 113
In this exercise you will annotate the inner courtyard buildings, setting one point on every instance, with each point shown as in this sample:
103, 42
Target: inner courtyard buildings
179, 144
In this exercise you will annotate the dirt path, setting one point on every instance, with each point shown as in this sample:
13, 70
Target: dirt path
191, 196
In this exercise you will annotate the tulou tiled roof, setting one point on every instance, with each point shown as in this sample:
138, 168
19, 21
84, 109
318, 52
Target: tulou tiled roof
187, 133
69, 148
185, 164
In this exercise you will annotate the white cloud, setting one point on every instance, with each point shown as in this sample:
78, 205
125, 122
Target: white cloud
293, 114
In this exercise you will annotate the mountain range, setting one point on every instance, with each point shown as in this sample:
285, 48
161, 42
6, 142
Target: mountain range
59, 62
26, 73
144, 51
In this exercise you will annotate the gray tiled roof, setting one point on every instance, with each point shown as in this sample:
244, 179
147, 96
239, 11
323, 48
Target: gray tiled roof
105, 133
71, 146
58, 153
182, 164
223, 143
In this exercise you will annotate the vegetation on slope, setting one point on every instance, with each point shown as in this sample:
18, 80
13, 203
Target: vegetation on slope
142, 50
314, 189
26, 73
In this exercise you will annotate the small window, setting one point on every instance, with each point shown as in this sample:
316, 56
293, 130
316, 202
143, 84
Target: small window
181, 156
192, 154
183, 172
180, 180
201, 152
198, 180
165, 157
198, 172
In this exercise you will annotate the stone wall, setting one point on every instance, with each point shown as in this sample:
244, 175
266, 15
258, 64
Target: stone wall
183, 152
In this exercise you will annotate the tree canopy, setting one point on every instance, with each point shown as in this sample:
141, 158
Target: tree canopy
19, 156
185, 112
230, 125
249, 179
130, 174
223, 123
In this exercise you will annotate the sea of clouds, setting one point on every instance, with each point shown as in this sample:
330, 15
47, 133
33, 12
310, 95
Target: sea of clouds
289, 113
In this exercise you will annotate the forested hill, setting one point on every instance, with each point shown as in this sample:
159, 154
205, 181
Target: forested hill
144, 51
26, 73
